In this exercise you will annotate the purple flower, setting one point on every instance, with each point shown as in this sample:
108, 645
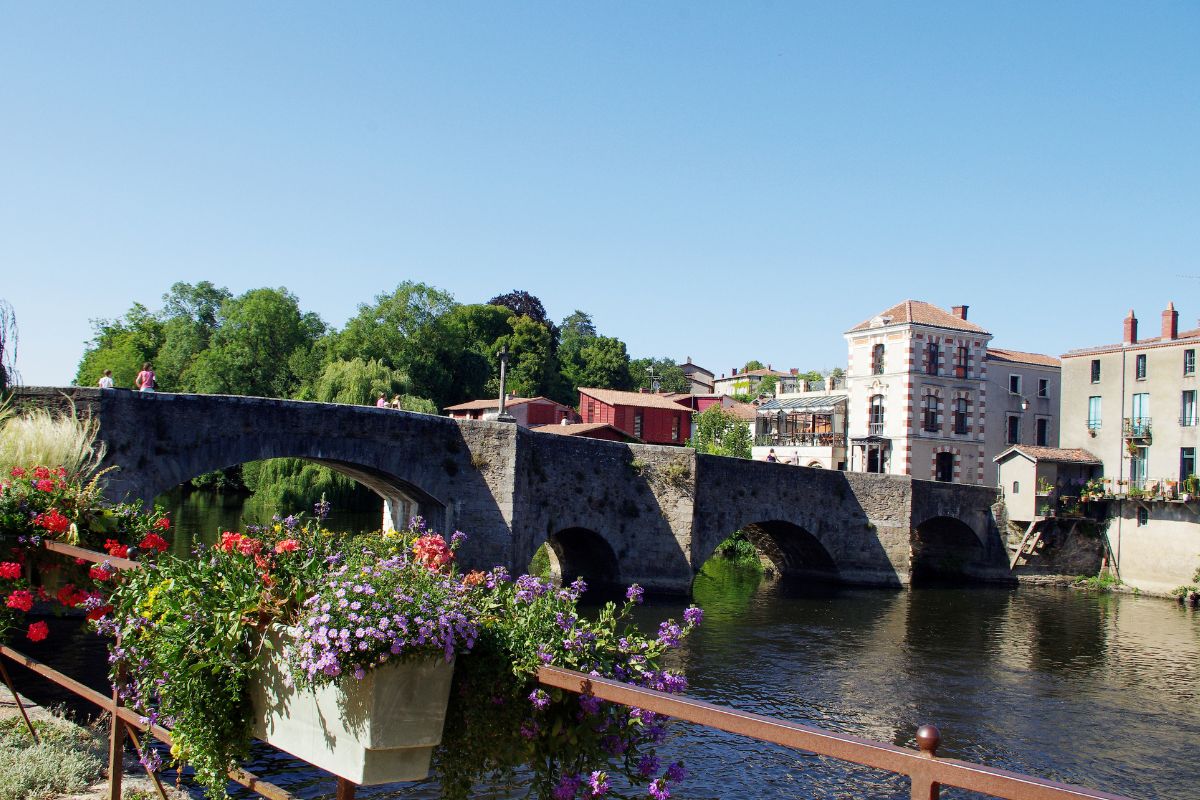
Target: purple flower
598, 783
567, 786
540, 699
457, 538
659, 790
693, 615
634, 594
647, 765
359, 673
676, 772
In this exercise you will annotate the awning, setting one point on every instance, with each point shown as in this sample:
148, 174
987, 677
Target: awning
822, 404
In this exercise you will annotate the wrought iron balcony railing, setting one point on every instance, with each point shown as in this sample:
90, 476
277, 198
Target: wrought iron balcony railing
1136, 427
800, 440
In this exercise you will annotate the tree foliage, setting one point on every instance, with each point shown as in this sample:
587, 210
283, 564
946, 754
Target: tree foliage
670, 374
721, 433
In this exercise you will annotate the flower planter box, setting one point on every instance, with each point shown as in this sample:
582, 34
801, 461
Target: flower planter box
381, 729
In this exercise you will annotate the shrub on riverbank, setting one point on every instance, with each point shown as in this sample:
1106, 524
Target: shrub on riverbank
66, 760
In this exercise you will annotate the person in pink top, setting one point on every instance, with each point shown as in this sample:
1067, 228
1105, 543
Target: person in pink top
382, 401
145, 379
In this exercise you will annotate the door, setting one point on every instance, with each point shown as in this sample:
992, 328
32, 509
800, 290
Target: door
944, 467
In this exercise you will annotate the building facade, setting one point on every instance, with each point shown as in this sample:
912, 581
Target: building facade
650, 418
745, 382
527, 411
928, 397
700, 380
1134, 404
805, 427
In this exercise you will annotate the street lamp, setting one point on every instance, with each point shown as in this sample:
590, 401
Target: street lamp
503, 415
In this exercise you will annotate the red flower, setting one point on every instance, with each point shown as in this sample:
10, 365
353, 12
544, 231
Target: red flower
41, 473
99, 573
154, 542
432, 552
162, 523
248, 546
61, 472
229, 540
52, 521
97, 613
46, 485
38, 631
70, 597
22, 600
115, 548
17, 472
262, 562
10, 570
286, 546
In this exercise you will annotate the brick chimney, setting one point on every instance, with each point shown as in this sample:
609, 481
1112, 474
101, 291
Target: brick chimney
1170, 322
1130, 329
959, 311
733, 372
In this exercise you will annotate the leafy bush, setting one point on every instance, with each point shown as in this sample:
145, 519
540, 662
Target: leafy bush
66, 760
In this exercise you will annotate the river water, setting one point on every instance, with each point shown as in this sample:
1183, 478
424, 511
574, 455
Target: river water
1099, 690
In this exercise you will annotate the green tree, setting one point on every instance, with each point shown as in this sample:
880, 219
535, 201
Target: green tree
476, 331
190, 316
576, 332
259, 347
121, 345
753, 364
358, 382
767, 384
407, 330
721, 433
670, 374
604, 364
532, 368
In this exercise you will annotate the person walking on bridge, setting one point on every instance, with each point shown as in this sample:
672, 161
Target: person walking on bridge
145, 379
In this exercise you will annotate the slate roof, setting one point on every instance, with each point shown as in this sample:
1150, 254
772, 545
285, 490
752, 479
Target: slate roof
1019, 357
921, 313
1073, 455
613, 397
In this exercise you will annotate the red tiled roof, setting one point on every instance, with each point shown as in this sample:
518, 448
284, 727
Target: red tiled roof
581, 429
1185, 337
476, 405
613, 397
921, 313
1061, 454
1019, 357
746, 411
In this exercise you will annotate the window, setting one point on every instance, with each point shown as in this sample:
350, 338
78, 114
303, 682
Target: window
875, 428
1140, 414
1093, 418
943, 467
1042, 432
1187, 409
877, 360
675, 429
1137, 467
931, 409
637, 424
1014, 430
960, 415
591, 410
1095, 370
1016, 487
1014, 384
1187, 463
932, 353
961, 369
1189, 362
1139, 367
1143, 517
1043, 387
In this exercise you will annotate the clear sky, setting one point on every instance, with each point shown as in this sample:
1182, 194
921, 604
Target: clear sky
721, 181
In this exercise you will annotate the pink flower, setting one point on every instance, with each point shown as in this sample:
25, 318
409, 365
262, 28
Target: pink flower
45, 485
432, 552
287, 546
38, 631
18, 472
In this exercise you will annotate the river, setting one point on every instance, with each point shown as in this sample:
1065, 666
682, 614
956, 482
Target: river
1099, 690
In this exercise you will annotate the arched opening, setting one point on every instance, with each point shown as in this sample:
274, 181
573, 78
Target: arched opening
777, 549
944, 550
582, 553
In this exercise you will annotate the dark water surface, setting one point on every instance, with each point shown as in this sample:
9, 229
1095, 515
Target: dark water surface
1099, 690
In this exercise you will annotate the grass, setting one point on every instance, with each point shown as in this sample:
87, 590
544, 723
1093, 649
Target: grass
39, 436
737, 548
67, 759
1104, 582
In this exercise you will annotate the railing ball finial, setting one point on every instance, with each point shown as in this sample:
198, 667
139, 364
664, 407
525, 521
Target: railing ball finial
928, 739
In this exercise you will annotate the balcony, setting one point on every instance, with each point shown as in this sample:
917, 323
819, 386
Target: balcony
875, 429
800, 440
1135, 427
1188, 421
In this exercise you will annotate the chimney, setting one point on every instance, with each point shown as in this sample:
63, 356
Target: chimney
1130, 329
959, 311
733, 372
794, 370
768, 366
689, 359
1170, 322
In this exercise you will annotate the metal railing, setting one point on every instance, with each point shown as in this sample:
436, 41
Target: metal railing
925, 770
1136, 427
1188, 420
800, 440
874, 428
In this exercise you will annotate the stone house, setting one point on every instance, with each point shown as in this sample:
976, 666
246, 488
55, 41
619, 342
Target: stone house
928, 397
1134, 404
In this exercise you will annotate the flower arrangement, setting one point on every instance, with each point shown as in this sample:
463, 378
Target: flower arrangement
191, 631
40, 503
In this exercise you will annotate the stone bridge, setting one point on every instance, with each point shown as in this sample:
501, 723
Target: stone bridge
613, 513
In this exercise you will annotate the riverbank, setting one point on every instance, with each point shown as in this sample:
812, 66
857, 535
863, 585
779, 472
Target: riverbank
69, 763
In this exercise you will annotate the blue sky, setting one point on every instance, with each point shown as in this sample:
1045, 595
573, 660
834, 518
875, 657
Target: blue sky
725, 181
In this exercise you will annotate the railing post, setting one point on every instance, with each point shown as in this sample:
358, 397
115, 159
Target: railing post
923, 786
116, 743
345, 789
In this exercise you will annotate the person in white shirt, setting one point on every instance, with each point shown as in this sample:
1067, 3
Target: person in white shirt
106, 381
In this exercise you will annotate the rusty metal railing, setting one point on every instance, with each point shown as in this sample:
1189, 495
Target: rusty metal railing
927, 772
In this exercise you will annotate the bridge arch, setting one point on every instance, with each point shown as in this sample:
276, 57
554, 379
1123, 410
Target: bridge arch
946, 549
579, 552
790, 548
